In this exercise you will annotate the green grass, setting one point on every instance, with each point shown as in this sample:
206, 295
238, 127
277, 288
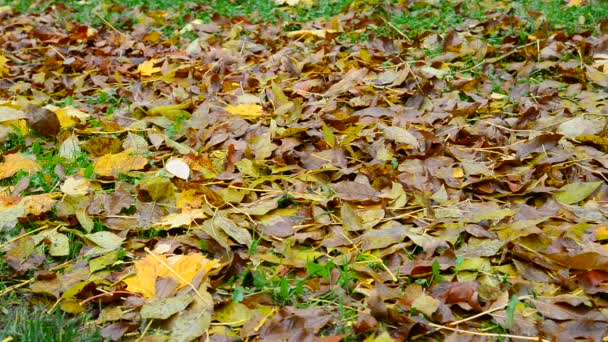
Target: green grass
419, 17
445, 15
119, 14
25, 323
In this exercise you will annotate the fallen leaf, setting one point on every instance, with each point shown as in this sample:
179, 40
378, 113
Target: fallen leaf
178, 168
147, 68
16, 162
163, 308
246, 110
576, 192
111, 165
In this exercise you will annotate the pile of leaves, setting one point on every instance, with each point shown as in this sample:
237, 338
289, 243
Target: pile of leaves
306, 181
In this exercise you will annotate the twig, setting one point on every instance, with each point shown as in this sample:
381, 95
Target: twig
397, 30
496, 59
143, 334
485, 312
263, 320
251, 189
110, 25
22, 236
468, 332
11, 288
107, 294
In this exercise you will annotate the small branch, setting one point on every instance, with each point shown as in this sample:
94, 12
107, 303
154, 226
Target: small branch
475, 333
143, 334
22, 236
485, 312
397, 30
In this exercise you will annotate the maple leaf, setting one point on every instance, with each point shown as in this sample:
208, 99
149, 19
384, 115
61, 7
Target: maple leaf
182, 268
147, 68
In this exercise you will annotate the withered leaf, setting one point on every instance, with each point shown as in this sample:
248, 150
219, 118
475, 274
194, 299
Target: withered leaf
42, 120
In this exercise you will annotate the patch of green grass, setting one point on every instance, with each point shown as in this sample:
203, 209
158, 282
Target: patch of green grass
47, 179
25, 323
445, 15
561, 16
14, 140
112, 11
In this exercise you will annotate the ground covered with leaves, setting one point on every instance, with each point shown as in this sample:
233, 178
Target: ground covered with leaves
317, 171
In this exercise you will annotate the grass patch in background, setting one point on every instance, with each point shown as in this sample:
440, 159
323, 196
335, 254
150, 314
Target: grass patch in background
33, 323
414, 18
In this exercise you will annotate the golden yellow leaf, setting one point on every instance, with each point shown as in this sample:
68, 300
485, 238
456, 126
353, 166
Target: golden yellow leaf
146, 272
182, 268
16, 162
152, 37
457, 172
601, 232
3, 68
189, 199
66, 115
248, 110
113, 164
147, 68
572, 3
187, 266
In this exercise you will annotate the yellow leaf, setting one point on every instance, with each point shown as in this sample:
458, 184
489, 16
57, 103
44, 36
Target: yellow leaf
572, 3
3, 68
152, 37
146, 272
316, 33
38, 204
183, 219
66, 115
182, 268
147, 68
189, 199
16, 162
601, 232
113, 164
248, 110
457, 172
187, 266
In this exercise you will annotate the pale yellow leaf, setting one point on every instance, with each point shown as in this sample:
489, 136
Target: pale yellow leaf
76, 186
